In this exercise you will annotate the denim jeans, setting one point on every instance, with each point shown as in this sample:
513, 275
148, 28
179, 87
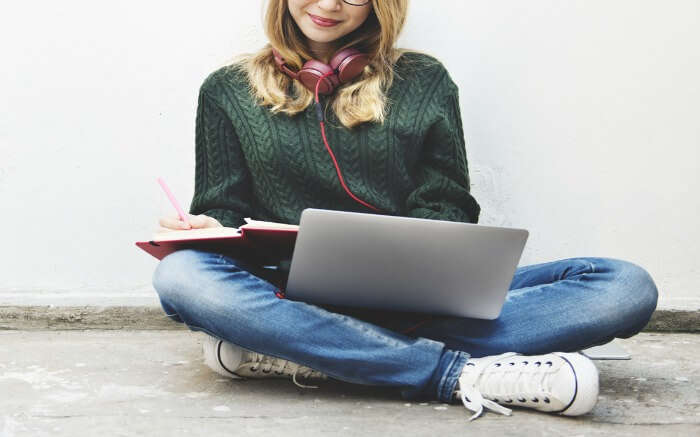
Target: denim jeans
565, 305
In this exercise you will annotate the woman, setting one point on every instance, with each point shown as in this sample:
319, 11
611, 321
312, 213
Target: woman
263, 150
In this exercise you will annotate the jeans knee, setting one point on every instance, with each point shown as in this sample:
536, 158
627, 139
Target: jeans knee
637, 294
192, 280
174, 274
641, 286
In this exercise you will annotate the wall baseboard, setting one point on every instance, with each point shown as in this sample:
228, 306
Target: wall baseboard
49, 317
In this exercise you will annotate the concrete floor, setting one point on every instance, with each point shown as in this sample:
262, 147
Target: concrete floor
124, 383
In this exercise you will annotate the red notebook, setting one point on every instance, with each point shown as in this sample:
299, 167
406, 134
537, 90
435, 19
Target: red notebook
266, 241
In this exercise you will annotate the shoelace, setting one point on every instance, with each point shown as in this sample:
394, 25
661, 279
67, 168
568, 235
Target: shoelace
489, 377
280, 367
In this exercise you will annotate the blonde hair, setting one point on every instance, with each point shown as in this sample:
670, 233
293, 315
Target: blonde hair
355, 102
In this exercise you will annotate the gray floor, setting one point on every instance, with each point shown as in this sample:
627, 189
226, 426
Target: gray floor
119, 383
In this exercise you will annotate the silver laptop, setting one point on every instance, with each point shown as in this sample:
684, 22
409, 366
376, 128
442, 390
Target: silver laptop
403, 263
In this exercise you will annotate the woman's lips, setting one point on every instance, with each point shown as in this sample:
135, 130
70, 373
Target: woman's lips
323, 21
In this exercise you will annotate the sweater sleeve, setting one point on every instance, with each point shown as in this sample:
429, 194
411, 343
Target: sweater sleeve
222, 186
442, 178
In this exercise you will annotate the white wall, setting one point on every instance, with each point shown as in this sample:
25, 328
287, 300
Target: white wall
581, 120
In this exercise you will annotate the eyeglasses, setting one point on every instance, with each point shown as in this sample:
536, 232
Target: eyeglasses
357, 2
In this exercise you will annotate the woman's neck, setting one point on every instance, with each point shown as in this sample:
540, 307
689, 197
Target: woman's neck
321, 50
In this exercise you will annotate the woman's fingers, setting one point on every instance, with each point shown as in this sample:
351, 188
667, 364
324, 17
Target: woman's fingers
173, 222
196, 222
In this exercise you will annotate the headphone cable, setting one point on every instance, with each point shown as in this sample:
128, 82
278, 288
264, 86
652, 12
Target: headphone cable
320, 117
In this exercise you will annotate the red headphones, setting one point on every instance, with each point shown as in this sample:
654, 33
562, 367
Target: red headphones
322, 78
345, 65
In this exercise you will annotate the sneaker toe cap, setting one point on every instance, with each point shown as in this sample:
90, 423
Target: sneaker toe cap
583, 393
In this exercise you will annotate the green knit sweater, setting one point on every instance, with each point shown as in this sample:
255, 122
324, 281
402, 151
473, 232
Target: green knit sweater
253, 163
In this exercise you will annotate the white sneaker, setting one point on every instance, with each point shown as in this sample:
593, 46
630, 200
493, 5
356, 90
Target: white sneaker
233, 361
564, 383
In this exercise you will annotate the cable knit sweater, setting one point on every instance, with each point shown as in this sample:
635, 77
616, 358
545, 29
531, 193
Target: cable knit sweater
250, 162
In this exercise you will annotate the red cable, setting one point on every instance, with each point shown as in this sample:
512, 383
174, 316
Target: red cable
319, 111
416, 326
280, 293
325, 142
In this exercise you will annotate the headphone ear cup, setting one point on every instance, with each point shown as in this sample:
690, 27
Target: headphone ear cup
349, 63
312, 71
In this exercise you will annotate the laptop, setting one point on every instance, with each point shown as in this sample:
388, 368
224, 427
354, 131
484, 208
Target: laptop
403, 263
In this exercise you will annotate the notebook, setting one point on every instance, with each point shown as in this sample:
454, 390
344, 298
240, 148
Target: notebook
403, 263
263, 241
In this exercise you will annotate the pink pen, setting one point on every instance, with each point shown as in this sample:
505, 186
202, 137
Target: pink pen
182, 214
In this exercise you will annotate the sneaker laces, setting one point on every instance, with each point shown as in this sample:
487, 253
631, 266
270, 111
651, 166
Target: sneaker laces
502, 380
280, 367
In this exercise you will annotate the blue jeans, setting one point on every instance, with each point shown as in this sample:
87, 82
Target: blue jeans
565, 305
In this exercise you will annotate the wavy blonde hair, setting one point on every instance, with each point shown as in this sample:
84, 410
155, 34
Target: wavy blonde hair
358, 101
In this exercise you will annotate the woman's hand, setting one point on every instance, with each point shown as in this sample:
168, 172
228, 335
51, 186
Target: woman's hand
173, 223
